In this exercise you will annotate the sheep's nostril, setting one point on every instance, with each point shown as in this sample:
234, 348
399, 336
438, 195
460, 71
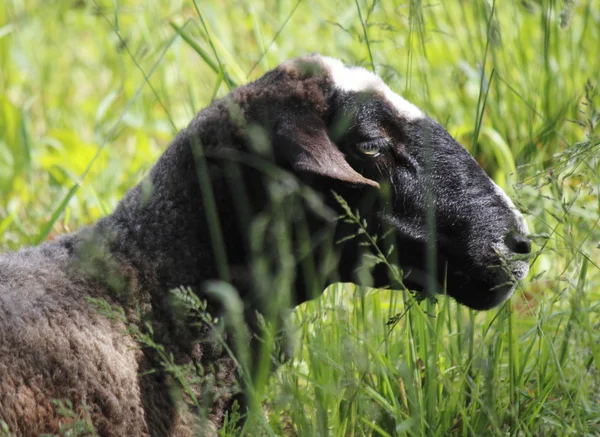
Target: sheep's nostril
517, 242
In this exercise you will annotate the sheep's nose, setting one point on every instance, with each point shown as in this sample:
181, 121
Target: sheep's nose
518, 242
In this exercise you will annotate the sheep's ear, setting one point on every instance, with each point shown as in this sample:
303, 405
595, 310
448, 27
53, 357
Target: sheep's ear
303, 141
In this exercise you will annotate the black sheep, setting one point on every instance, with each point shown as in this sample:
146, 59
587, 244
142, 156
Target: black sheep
333, 128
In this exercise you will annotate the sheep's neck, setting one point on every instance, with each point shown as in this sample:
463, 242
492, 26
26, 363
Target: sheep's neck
160, 226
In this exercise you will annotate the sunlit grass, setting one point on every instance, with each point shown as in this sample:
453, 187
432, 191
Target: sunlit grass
92, 92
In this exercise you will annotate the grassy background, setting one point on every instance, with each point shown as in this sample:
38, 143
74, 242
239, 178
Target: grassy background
92, 92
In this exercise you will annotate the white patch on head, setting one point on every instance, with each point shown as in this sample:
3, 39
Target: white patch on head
520, 220
519, 268
360, 79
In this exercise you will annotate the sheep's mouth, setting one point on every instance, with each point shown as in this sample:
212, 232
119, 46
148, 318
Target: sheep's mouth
480, 287
486, 288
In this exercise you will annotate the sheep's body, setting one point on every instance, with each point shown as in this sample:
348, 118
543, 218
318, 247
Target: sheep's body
54, 345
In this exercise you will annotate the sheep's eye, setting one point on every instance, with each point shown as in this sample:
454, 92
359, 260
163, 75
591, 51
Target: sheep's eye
371, 148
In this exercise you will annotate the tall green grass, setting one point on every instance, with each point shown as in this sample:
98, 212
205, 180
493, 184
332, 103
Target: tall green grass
92, 91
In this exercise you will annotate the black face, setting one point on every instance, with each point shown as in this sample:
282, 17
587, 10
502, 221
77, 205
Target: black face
473, 229
344, 130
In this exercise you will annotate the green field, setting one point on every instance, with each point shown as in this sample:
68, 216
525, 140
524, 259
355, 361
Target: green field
91, 93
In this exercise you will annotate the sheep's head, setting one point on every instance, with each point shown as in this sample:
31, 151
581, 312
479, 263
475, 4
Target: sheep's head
345, 125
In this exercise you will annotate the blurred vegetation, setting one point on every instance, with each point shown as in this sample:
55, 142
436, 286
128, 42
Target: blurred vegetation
91, 92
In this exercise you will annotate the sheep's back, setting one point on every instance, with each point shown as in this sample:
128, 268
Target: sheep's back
55, 346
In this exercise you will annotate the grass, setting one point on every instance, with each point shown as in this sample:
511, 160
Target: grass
91, 92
